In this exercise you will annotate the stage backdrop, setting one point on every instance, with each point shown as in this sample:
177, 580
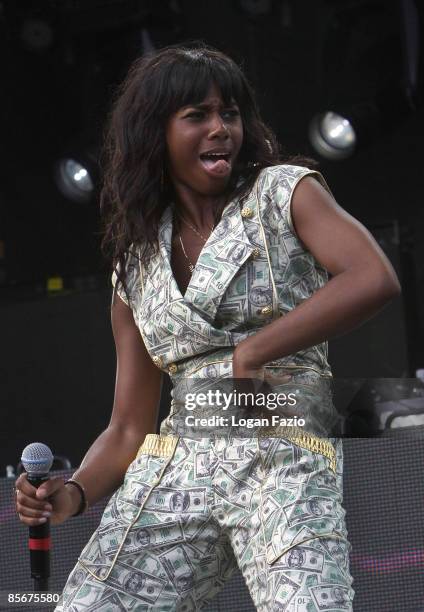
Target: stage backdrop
383, 491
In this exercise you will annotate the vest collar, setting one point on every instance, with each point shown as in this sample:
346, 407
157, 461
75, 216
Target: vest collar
223, 254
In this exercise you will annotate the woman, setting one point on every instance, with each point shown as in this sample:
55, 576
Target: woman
221, 256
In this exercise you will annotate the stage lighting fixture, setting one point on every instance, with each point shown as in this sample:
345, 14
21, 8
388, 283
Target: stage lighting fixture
371, 87
336, 134
332, 135
74, 179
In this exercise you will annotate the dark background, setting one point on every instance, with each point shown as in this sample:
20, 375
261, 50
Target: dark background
60, 62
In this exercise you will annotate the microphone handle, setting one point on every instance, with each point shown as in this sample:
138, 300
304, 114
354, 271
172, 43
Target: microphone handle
39, 545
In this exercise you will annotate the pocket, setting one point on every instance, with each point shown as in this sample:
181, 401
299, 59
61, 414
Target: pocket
142, 476
124, 507
300, 501
322, 447
282, 537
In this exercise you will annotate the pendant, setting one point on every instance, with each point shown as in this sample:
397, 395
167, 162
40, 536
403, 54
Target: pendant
191, 268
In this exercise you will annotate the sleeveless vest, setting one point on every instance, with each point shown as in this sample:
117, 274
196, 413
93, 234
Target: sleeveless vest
252, 270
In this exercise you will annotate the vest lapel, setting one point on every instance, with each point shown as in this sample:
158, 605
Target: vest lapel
225, 251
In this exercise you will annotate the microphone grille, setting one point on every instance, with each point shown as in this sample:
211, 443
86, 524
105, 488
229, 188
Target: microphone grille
37, 458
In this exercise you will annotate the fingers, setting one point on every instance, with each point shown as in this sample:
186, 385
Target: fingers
277, 379
31, 510
31, 506
22, 484
50, 487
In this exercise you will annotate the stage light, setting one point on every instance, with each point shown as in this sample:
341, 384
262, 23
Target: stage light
369, 76
76, 172
74, 180
336, 134
332, 135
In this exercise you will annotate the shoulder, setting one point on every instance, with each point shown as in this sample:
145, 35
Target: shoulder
131, 261
132, 275
286, 176
277, 186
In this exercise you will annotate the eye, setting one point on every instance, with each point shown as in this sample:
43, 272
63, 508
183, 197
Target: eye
195, 115
232, 113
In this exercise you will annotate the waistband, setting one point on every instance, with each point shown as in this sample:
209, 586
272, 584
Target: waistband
159, 445
217, 362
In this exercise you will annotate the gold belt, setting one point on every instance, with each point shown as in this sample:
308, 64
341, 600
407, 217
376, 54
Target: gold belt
157, 445
164, 446
304, 439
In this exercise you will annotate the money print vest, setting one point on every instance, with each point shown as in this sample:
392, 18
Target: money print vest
252, 270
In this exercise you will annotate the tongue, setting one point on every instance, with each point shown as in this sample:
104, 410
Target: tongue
220, 166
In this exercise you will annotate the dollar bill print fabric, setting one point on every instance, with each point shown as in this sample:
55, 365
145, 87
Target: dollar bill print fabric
182, 523
252, 270
192, 509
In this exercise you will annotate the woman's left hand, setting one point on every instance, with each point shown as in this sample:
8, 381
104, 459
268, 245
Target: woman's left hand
254, 377
248, 376
244, 365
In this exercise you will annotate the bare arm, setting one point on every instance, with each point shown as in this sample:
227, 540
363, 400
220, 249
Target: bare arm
134, 414
363, 282
135, 408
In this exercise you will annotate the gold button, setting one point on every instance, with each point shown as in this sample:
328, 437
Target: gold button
157, 361
255, 253
266, 310
246, 212
173, 368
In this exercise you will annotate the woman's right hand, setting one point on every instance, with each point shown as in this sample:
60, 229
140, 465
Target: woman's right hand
52, 500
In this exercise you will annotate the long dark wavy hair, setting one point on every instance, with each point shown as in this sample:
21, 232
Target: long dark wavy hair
136, 189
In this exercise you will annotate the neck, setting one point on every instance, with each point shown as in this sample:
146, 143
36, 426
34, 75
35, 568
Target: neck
199, 212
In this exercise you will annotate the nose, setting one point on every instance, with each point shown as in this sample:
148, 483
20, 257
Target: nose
218, 128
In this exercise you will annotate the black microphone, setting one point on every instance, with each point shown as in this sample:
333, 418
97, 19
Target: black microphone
37, 460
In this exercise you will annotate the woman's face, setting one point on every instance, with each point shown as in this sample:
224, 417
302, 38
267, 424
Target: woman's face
195, 137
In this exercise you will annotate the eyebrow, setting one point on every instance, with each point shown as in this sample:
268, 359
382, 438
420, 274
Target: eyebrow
205, 106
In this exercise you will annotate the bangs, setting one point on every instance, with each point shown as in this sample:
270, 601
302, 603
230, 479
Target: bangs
189, 81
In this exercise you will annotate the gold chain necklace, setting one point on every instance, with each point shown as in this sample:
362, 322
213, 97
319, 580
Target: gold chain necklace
194, 229
190, 264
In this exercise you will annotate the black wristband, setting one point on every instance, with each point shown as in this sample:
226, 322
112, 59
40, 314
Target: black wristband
84, 504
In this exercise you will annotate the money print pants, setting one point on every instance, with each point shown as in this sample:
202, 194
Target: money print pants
191, 511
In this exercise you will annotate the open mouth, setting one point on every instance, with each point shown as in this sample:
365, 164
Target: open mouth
216, 163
